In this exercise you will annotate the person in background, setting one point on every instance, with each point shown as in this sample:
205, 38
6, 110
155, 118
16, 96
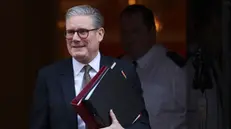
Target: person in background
162, 78
59, 83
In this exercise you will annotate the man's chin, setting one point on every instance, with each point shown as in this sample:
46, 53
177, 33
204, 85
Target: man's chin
78, 53
81, 57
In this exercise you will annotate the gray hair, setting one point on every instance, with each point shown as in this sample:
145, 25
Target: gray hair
86, 10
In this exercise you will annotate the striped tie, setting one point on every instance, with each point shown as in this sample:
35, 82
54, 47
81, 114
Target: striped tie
86, 76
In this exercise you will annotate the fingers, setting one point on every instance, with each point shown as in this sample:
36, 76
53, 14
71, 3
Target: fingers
115, 123
113, 117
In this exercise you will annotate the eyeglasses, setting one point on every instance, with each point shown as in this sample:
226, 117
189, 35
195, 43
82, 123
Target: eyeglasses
82, 33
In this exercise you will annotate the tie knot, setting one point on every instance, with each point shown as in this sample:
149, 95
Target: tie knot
134, 63
87, 68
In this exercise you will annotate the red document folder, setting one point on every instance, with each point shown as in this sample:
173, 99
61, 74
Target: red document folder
80, 107
108, 89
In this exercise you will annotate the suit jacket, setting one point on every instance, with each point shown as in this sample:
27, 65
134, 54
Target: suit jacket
54, 91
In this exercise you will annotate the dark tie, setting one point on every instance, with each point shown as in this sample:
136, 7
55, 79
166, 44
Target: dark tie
86, 76
134, 63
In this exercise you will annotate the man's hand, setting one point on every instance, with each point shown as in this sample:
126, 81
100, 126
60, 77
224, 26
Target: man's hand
115, 123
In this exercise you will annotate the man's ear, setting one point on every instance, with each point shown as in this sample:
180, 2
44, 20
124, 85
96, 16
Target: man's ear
100, 34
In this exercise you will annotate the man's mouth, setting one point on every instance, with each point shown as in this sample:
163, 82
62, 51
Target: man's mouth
78, 46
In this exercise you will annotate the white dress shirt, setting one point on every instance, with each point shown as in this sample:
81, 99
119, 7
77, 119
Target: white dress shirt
78, 77
164, 89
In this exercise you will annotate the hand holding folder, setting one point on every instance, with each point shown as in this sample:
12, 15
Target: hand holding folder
115, 123
109, 89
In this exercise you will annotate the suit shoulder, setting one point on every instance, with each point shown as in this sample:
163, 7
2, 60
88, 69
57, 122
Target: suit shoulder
126, 63
52, 68
123, 62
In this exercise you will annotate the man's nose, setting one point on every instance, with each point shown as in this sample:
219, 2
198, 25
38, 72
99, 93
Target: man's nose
76, 37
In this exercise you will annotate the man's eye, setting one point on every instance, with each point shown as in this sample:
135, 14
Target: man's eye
82, 31
71, 32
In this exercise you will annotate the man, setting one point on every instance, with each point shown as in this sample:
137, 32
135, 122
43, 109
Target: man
59, 83
162, 79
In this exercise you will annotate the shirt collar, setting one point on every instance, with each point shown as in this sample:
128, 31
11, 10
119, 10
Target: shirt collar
95, 64
157, 51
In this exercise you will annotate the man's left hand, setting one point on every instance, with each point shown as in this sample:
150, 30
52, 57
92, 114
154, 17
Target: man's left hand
115, 123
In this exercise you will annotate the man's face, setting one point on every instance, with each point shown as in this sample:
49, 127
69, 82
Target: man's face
135, 33
83, 38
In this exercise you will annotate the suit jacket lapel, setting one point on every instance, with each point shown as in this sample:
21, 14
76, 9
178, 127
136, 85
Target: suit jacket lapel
105, 61
68, 86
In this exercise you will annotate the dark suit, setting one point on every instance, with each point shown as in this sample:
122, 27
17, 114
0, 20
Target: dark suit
55, 89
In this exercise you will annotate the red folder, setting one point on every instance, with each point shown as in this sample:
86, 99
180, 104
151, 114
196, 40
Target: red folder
80, 107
